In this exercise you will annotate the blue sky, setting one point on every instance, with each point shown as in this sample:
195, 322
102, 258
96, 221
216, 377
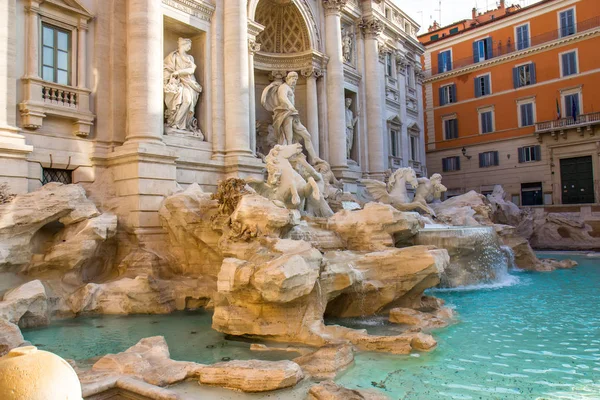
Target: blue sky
425, 11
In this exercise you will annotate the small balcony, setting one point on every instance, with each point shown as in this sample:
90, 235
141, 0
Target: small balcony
506, 46
581, 122
395, 162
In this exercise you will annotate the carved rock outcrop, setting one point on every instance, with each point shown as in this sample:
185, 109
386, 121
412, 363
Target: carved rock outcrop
416, 318
328, 390
327, 361
469, 209
252, 375
10, 336
56, 228
26, 305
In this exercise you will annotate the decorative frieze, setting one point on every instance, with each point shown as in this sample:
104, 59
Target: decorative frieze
197, 8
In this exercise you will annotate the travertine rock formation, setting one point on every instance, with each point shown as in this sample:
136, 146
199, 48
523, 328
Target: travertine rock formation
148, 360
252, 375
563, 231
56, 228
416, 318
26, 305
469, 209
326, 361
328, 390
10, 336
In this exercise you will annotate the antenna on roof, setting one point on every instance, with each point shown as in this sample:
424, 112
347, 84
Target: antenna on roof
440, 10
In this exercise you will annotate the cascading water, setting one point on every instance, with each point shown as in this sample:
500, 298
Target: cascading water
476, 256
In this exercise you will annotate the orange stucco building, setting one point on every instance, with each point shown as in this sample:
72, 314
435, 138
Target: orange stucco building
512, 97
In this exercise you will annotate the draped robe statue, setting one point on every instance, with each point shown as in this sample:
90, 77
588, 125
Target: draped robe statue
181, 90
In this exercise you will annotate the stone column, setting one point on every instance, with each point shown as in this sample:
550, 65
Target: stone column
253, 47
33, 35
312, 105
144, 71
336, 119
374, 107
237, 82
82, 56
13, 150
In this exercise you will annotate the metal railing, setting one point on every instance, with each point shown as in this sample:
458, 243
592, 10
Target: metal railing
569, 122
503, 48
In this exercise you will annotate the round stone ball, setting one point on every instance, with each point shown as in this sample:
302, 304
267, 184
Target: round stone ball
27, 373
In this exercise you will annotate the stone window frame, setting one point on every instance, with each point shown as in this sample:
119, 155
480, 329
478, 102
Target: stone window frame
483, 110
520, 102
42, 98
578, 90
394, 124
445, 118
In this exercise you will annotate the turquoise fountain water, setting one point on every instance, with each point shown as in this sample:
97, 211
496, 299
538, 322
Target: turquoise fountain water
536, 339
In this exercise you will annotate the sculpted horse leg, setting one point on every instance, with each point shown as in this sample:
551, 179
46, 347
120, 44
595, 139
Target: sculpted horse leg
312, 186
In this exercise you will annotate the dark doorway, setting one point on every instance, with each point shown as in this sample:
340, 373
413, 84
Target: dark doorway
531, 194
577, 180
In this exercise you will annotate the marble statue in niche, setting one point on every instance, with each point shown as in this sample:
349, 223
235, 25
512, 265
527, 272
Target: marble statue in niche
348, 47
350, 124
279, 99
181, 91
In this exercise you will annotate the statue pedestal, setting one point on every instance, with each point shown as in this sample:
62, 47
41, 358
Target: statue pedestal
183, 133
349, 175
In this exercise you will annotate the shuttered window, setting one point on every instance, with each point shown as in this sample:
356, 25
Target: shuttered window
445, 61
526, 111
482, 86
451, 164
488, 159
524, 75
530, 153
482, 50
487, 122
572, 105
569, 63
522, 37
447, 94
450, 129
567, 23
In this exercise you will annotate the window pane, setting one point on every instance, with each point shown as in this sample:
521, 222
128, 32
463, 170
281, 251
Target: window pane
48, 74
62, 77
48, 36
48, 56
62, 40
62, 60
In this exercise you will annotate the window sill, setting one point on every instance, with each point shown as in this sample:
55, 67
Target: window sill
42, 98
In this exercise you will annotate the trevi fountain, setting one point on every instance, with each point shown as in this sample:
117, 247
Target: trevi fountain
286, 284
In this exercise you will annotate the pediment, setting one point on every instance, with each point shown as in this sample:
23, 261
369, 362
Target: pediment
414, 127
395, 120
71, 6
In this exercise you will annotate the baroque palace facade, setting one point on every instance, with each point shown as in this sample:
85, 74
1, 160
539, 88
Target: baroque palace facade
512, 98
89, 94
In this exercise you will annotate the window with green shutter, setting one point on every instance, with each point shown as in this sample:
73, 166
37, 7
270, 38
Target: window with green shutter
530, 153
56, 55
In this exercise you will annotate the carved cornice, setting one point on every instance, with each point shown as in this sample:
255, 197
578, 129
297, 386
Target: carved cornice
334, 6
290, 62
351, 76
253, 46
371, 27
197, 8
254, 28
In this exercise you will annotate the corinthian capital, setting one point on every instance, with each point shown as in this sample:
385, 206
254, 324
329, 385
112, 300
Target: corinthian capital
371, 26
333, 6
312, 71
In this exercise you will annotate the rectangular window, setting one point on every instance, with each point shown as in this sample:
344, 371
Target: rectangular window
488, 159
482, 50
567, 22
487, 122
434, 37
572, 105
450, 129
56, 44
453, 31
451, 164
388, 64
531, 193
414, 148
445, 61
526, 114
530, 153
410, 76
524, 75
569, 63
57, 175
482, 86
395, 142
522, 37
447, 94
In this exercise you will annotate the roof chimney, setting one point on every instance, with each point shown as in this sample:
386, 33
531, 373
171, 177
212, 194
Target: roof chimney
474, 15
502, 5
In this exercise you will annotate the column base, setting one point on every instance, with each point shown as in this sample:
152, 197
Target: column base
243, 164
13, 157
